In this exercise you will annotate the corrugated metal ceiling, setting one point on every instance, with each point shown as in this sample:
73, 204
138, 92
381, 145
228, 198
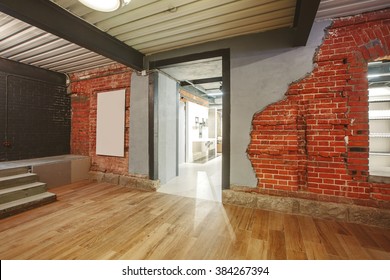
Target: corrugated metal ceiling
329, 9
27, 44
152, 26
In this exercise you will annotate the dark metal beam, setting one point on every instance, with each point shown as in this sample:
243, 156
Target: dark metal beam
201, 81
305, 13
50, 17
226, 109
16, 68
182, 59
153, 126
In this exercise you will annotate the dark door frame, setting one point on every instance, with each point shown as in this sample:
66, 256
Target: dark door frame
153, 159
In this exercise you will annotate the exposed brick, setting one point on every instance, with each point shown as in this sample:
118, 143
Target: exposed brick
320, 131
85, 86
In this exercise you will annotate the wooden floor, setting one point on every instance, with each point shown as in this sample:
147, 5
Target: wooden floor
102, 221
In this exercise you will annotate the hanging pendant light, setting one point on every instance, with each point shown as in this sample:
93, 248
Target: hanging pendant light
105, 5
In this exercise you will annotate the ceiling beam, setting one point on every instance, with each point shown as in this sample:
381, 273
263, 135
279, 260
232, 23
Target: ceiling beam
13, 68
52, 18
186, 58
305, 13
201, 81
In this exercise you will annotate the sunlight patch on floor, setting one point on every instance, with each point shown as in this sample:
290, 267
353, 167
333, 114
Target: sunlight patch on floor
202, 181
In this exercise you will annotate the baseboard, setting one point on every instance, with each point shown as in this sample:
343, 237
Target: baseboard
125, 180
318, 209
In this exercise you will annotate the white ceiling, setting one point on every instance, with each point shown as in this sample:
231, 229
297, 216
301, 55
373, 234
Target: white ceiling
194, 70
197, 70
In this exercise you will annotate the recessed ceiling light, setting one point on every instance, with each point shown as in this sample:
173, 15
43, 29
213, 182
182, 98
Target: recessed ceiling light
105, 5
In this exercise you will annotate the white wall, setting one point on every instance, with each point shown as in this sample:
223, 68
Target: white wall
182, 132
110, 123
195, 111
212, 123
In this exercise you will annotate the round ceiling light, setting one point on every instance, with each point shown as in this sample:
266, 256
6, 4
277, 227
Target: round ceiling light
105, 5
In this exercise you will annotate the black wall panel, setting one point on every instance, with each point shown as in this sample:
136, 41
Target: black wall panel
35, 117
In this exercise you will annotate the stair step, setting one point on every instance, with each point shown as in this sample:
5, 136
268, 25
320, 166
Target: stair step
20, 205
13, 171
22, 191
19, 179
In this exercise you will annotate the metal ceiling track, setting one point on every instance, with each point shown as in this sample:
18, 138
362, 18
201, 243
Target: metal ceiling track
201, 81
51, 18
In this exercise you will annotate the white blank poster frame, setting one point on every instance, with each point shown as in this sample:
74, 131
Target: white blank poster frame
110, 123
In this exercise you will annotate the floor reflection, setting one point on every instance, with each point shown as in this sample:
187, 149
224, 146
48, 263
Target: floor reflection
195, 180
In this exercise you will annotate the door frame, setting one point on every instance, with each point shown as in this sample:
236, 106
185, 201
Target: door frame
226, 109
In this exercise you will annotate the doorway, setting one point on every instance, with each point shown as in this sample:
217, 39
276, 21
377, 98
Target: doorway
203, 125
199, 146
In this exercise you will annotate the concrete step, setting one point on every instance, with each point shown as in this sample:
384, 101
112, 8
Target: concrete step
16, 180
23, 204
13, 171
22, 191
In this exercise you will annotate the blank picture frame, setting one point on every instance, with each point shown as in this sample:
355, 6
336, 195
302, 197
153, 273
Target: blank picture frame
110, 123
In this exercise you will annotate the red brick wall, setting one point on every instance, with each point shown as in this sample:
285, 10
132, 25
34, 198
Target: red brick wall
84, 88
314, 143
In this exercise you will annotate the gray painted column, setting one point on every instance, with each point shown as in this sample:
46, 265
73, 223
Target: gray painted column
167, 128
138, 146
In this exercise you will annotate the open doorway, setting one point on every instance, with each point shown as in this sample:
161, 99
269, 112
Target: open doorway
199, 144
203, 157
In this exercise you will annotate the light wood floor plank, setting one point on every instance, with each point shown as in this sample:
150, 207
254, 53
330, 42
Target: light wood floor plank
103, 221
315, 251
260, 227
293, 235
353, 248
296, 255
329, 239
276, 245
257, 250
309, 230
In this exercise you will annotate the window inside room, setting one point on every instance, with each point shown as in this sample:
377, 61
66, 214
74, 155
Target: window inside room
379, 118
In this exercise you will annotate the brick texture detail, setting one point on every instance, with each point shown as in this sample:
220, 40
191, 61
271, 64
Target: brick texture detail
84, 87
314, 143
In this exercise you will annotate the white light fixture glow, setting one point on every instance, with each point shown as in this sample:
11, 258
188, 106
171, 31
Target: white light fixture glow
378, 75
214, 93
105, 5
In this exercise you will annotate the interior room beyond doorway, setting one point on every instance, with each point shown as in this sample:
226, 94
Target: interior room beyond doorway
199, 148
201, 181
199, 141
